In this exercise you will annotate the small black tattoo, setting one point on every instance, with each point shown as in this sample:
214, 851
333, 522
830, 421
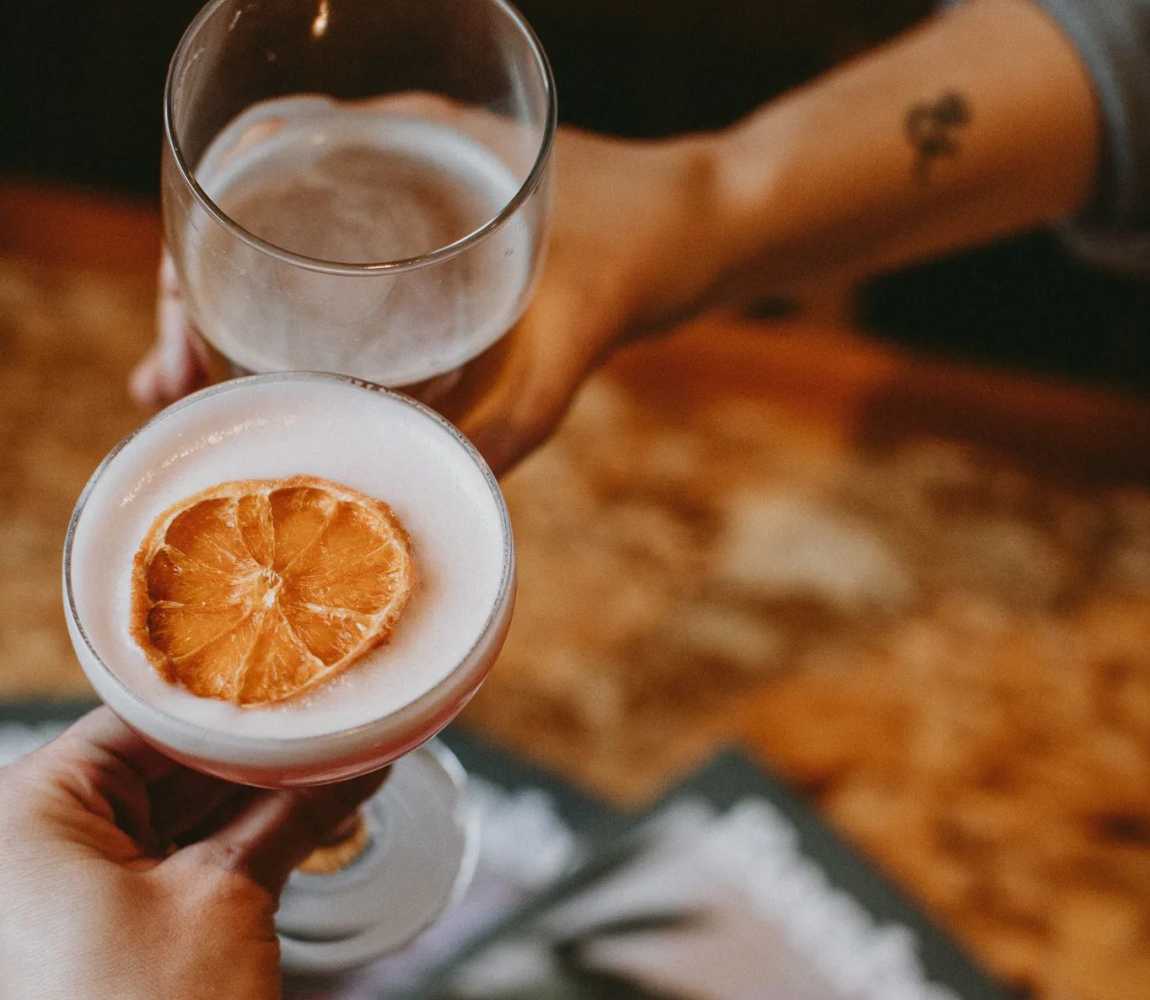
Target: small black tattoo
931, 127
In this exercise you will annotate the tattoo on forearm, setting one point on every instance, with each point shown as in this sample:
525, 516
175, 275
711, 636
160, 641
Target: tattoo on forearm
932, 127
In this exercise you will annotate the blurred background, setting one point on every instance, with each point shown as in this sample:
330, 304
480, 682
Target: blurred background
80, 101
895, 539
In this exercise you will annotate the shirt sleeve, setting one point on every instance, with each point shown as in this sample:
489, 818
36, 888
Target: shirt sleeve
1113, 40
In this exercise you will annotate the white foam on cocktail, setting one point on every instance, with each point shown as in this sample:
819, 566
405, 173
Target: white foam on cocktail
368, 440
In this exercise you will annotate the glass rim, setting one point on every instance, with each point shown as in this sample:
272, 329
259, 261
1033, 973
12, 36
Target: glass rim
445, 252
504, 595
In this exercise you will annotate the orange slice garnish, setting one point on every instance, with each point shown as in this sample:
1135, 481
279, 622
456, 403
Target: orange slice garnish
256, 591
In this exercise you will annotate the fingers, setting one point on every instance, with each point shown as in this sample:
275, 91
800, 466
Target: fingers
107, 768
188, 803
514, 397
101, 735
514, 419
277, 830
177, 362
504, 438
167, 372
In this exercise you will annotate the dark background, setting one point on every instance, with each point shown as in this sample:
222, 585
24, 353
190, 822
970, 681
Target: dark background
80, 97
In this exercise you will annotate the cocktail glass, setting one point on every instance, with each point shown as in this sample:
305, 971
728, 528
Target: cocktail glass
421, 841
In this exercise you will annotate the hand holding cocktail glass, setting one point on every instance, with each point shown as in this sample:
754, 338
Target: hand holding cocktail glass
209, 588
150, 879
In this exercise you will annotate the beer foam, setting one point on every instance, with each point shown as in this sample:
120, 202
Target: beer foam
273, 428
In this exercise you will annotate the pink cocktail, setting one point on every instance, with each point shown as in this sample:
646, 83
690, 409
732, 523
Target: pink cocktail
400, 694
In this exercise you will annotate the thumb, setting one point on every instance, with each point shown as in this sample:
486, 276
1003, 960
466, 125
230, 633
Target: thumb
514, 401
275, 831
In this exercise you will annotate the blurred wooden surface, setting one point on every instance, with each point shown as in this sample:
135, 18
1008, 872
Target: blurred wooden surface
919, 591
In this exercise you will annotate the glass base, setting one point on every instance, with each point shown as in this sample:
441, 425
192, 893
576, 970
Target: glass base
423, 841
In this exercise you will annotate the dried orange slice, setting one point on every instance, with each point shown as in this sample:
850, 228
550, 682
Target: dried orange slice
256, 591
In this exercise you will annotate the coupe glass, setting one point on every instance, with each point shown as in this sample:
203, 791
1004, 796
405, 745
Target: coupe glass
421, 837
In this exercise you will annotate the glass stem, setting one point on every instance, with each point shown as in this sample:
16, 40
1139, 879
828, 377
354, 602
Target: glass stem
342, 847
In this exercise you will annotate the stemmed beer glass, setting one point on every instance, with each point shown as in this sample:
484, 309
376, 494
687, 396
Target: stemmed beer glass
357, 186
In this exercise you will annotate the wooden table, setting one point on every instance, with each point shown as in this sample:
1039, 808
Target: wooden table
919, 591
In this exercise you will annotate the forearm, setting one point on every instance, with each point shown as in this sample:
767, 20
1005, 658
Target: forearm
864, 170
